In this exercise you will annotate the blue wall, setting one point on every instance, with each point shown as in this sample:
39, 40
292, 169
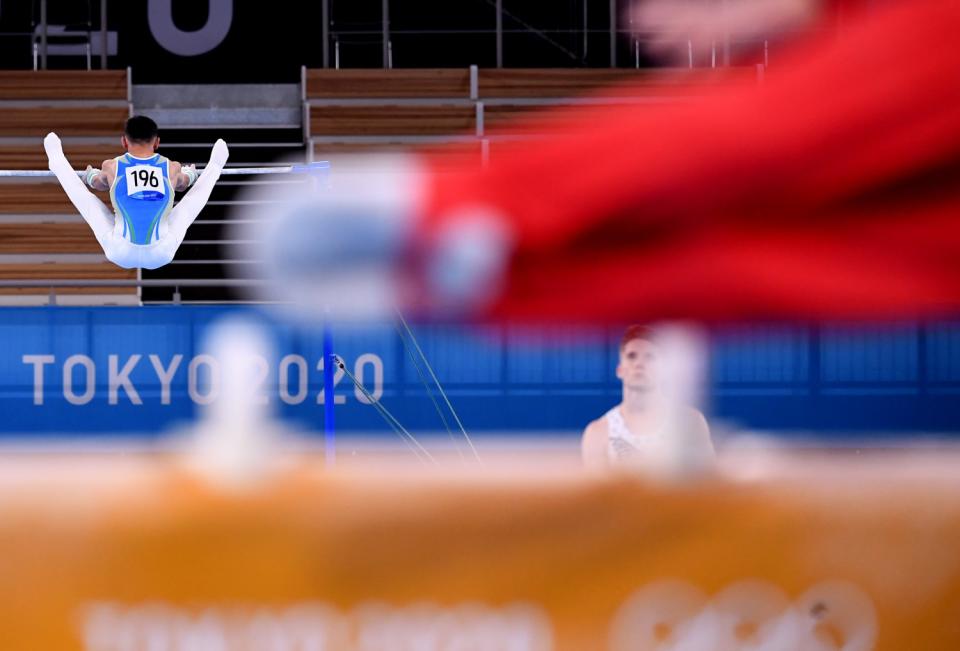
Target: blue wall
858, 379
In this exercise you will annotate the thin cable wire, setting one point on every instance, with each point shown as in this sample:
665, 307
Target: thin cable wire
436, 381
537, 32
426, 386
391, 420
396, 427
399, 430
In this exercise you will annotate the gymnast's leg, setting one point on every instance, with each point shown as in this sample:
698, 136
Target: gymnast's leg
193, 202
162, 252
97, 215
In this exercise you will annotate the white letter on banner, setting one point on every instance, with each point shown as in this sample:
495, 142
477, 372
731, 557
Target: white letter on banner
122, 379
188, 44
165, 375
193, 371
301, 394
38, 362
358, 366
68, 393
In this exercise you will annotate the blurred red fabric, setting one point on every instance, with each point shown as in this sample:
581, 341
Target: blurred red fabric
829, 190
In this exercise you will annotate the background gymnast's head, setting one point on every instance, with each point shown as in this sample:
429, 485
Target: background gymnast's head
637, 367
140, 133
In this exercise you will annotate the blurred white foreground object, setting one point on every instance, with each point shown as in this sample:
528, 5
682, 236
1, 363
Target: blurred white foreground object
683, 351
351, 248
672, 28
840, 617
335, 249
660, 616
235, 440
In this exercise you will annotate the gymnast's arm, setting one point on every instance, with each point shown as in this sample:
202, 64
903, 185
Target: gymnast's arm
101, 179
593, 446
699, 435
182, 176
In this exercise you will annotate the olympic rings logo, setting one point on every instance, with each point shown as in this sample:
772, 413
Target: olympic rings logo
749, 615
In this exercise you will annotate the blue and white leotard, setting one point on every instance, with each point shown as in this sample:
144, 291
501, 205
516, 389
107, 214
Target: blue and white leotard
142, 196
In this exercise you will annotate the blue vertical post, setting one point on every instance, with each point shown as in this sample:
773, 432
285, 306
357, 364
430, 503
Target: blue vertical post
319, 175
329, 429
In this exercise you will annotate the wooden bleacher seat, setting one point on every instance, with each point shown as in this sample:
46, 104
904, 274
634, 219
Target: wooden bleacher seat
388, 84
34, 199
325, 148
570, 82
60, 270
343, 112
32, 156
32, 249
547, 83
513, 118
41, 235
47, 237
93, 85
442, 155
52, 248
55, 270
396, 120
511, 95
38, 121
346, 115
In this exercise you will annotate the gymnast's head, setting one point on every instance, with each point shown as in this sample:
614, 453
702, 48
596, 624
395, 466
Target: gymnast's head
140, 134
638, 363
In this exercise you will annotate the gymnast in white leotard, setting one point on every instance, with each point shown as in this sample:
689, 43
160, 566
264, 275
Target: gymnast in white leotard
145, 229
645, 429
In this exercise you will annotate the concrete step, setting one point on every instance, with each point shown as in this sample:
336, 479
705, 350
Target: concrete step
186, 96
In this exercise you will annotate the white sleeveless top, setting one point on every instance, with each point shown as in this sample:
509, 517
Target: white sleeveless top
623, 446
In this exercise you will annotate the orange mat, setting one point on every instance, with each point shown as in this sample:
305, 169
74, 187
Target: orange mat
134, 552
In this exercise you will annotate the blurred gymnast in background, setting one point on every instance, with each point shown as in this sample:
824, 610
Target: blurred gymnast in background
648, 426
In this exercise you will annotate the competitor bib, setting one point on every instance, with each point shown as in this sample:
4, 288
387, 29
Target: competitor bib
145, 182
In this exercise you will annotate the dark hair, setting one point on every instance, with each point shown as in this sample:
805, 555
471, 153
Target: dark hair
636, 332
140, 129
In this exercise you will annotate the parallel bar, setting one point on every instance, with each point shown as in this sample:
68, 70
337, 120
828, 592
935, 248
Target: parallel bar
229, 171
